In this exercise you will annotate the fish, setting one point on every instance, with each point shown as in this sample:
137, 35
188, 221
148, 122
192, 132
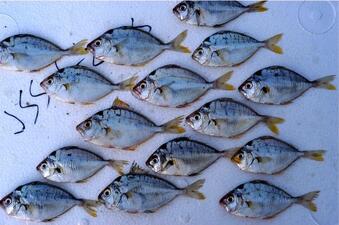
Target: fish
121, 127
74, 164
80, 84
140, 192
175, 86
269, 155
29, 53
226, 117
213, 13
42, 202
184, 157
260, 199
132, 46
230, 48
279, 85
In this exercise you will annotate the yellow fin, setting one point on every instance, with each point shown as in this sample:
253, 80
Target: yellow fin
306, 200
128, 84
67, 86
89, 206
325, 82
174, 126
271, 44
192, 189
263, 159
79, 48
221, 82
257, 7
271, 123
119, 103
176, 43
317, 155
118, 165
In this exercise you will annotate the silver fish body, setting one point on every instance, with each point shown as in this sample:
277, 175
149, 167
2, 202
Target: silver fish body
259, 199
73, 164
131, 46
174, 86
26, 52
183, 157
213, 13
42, 202
121, 127
144, 193
228, 118
229, 48
269, 155
279, 85
79, 84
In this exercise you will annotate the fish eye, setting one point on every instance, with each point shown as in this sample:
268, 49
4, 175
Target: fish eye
197, 117
241, 155
107, 192
143, 85
249, 85
230, 199
154, 160
88, 124
97, 43
183, 8
43, 166
50, 81
200, 52
7, 201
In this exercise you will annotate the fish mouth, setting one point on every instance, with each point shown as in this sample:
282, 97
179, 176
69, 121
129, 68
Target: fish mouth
79, 129
136, 92
90, 48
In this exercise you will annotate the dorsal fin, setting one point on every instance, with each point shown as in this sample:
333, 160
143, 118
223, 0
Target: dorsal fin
119, 103
136, 169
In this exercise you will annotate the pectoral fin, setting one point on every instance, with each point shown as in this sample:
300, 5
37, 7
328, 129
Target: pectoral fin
67, 86
263, 159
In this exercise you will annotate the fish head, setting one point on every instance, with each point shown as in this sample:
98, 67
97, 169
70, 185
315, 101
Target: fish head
90, 128
242, 158
143, 89
184, 10
111, 195
197, 119
47, 167
156, 161
202, 54
231, 201
11, 203
53, 83
5, 56
100, 47
251, 88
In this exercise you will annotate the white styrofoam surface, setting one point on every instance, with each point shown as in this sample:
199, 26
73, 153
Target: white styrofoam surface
311, 121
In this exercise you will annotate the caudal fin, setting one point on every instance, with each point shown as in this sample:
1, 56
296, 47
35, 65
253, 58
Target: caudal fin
221, 82
192, 190
176, 43
128, 84
271, 44
257, 7
271, 123
229, 153
118, 165
325, 82
174, 126
79, 48
306, 200
90, 207
317, 155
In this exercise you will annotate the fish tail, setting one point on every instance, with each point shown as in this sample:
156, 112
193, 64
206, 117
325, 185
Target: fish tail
325, 82
175, 44
118, 165
90, 206
192, 189
229, 153
221, 82
306, 200
271, 44
317, 155
271, 123
78, 48
128, 84
174, 126
257, 7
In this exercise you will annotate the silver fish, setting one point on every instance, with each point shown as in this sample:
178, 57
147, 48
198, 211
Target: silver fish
269, 155
229, 48
259, 199
228, 118
138, 192
42, 202
174, 86
279, 85
213, 13
132, 46
79, 84
183, 157
121, 127
25, 52
74, 164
